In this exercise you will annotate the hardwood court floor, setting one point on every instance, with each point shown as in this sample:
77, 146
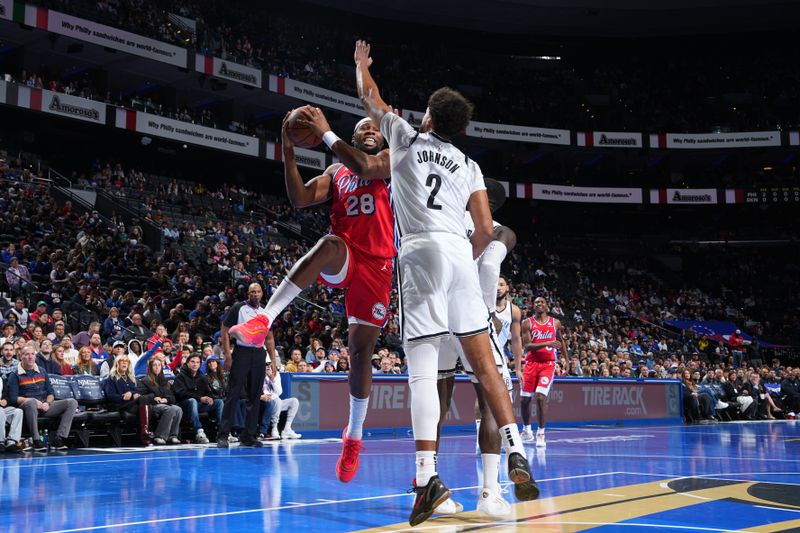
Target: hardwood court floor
726, 477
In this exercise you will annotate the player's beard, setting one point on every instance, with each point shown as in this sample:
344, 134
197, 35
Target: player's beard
369, 150
501, 298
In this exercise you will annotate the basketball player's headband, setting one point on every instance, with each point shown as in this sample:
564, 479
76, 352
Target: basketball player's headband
361, 123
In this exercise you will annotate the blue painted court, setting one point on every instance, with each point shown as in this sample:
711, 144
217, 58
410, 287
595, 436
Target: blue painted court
726, 477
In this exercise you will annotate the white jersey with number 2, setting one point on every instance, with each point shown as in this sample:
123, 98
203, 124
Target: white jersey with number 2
432, 180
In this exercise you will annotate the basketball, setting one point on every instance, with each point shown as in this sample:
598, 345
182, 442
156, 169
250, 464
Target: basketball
302, 136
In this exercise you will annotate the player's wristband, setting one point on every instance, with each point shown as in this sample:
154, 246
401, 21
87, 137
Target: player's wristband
330, 138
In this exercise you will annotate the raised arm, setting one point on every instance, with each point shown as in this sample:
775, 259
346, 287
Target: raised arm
367, 88
365, 166
302, 194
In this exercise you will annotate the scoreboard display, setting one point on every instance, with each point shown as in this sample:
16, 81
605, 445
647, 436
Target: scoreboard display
773, 195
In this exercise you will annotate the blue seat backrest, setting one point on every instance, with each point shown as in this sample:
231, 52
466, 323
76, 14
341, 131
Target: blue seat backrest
89, 390
62, 386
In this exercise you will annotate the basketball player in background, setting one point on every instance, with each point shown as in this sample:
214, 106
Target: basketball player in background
357, 255
542, 338
490, 501
432, 183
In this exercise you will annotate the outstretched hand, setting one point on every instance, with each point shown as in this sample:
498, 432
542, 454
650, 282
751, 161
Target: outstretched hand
361, 54
315, 119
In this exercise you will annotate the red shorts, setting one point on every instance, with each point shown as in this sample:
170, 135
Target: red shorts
367, 284
538, 377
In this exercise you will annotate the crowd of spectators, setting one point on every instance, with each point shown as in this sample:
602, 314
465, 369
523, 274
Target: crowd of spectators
89, 298
665, 89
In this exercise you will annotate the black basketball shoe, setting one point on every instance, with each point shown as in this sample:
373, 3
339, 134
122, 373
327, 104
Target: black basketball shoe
519, 471
428, 498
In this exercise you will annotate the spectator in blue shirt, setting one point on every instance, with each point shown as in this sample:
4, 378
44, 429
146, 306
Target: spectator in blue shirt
29, 389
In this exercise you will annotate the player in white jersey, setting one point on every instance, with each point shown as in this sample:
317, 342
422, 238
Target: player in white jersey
490, 501
433, 183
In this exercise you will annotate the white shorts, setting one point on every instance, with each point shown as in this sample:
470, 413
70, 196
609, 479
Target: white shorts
450, 352
439, 289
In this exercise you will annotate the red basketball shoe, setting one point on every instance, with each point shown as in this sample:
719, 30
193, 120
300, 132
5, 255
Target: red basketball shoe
253, 332
347, 465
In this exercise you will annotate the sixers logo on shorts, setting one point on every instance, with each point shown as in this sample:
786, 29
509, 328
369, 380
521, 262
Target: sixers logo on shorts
544, 380
379, 311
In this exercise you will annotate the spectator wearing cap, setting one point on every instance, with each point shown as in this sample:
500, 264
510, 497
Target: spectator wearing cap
736, 345
336, 308
41, 309
195, 395
118, 349
59, 330
18, 277
320, 359
376, 363
29, 389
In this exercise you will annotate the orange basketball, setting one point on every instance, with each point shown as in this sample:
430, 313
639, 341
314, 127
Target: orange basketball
302, 136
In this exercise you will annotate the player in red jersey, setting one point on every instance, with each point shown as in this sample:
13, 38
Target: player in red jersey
357, 256
542, 338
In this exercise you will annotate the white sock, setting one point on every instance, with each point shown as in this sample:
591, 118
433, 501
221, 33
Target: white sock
491, 471
358, 412
426, 467
540, 431
512, 442
527, 427
489, 271
281, 298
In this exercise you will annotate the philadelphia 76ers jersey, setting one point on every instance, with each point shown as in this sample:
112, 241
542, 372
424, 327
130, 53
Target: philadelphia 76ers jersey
361, 214
432, 180
542, 333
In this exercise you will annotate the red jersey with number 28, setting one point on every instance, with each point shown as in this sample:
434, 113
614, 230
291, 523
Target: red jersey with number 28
362, 215
542, 333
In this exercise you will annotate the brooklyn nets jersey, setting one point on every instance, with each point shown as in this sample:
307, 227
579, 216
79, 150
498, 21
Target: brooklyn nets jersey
432, 180
504, 317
